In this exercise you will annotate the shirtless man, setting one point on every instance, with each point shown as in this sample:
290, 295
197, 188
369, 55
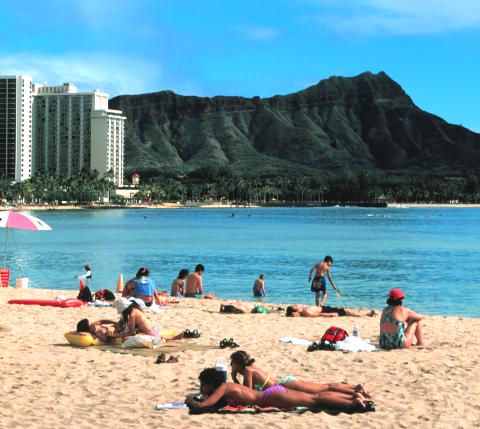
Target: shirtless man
259, 286
217, 393
194, 285
319, 283
299, 310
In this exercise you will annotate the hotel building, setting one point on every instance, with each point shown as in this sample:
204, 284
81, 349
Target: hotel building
15, 127
74, 130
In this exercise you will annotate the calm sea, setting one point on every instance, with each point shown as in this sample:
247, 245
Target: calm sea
432, 254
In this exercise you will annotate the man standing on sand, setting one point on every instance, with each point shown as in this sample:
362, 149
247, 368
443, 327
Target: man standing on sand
319, 283
194, 285
259, 286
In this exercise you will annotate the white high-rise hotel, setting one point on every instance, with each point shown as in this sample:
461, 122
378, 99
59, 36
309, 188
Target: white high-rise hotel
15, 127
64, 132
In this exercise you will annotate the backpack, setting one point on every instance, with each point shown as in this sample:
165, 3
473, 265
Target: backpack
332, 335
85, 295
104, 295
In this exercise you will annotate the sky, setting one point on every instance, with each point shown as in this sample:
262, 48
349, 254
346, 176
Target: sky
249, 47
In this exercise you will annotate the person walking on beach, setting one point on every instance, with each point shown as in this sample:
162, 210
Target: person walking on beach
86, 277
319, 283
259, 286
194, 283
399, 325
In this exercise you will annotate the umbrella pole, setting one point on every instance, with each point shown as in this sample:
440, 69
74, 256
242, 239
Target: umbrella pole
5, 249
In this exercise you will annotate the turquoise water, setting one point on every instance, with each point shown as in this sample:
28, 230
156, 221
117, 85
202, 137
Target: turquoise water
433, 254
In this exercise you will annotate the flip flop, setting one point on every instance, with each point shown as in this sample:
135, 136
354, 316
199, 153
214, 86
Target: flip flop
224, 344
160, 358
232, 344
191, 334
172, 359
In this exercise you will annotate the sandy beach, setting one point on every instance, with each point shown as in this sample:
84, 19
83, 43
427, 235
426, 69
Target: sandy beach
46, 383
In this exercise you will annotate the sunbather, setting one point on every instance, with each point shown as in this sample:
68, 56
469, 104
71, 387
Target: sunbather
255, 378
399, 325
218, 393
299, 310
104, 329
239, 308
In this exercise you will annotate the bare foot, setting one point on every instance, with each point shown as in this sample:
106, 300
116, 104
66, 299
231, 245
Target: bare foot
361, 388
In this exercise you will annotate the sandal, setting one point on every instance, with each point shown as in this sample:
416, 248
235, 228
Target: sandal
191, 334
160, 358
228, 344
172, 359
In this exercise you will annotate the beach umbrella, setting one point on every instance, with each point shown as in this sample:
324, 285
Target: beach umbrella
18, 220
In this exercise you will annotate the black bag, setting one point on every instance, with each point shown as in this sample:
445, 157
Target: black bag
85, 295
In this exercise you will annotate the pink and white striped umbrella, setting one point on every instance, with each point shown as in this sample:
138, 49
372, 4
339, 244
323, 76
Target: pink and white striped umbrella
18, 220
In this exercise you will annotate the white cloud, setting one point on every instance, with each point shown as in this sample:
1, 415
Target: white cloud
110, 73
260, 32
397, 17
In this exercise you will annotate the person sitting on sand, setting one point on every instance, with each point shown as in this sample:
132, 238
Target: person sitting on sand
399, 325
194, 284
217, 393
299, 310
104, 329
259, 286
143, 287
257, 379
178, 285
135, 320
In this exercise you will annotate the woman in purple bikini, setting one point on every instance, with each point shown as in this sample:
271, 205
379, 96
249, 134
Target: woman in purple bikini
215, 392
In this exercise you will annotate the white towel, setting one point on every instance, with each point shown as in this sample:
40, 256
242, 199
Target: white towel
296, 341
354, 344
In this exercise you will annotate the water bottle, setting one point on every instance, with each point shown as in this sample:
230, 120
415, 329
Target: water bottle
221, 366
356, 330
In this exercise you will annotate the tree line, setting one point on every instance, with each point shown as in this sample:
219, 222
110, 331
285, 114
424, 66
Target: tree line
219, 183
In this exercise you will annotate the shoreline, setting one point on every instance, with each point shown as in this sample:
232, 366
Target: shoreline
219, 205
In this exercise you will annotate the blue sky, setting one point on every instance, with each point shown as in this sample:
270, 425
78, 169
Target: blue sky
249, 47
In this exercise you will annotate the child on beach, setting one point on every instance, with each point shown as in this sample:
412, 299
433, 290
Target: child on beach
257, 379
218, 393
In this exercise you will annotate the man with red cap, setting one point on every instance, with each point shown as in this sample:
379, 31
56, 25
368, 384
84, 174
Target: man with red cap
399, 325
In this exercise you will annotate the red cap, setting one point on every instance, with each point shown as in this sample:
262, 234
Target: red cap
396, 294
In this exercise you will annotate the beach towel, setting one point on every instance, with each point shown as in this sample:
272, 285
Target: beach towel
354, 344
295, 341
170, 347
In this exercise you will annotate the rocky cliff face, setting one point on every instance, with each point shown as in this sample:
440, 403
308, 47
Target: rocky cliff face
362, 123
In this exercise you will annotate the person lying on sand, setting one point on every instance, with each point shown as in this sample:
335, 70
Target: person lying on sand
104, 329
218, 393
135, 320
399, 325
299, 310
257, 379
239, 308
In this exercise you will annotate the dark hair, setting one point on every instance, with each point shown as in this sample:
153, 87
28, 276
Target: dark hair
199, 267
395, 301
87, 267
83, 326
211, 376
328, 258
242, 358
183, 273
289, 311
142, 271
261, 276
128, 310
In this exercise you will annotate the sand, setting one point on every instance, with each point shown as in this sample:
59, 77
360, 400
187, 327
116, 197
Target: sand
45, 383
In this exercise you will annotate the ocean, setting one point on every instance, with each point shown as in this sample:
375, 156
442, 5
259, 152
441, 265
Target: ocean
433, 254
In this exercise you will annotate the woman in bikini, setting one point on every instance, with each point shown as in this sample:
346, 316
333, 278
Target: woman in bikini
399, 325
178, 285
255, 378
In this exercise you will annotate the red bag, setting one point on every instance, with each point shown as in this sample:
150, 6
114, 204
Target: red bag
333, 335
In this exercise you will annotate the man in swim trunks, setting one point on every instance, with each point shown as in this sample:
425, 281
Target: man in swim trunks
299, 310
259, 286
217, 393
319, 283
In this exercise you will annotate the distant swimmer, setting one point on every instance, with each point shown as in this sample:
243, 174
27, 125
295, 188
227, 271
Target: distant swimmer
233, 214
319, 283
259, 286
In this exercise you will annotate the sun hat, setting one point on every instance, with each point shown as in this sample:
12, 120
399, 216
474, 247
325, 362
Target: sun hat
396, 294
138, 301
121, 304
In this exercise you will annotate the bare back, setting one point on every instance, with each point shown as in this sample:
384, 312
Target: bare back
321, 269
194, 283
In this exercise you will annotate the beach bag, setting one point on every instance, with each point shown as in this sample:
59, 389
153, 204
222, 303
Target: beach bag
104, 295
331, 336
85, 295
